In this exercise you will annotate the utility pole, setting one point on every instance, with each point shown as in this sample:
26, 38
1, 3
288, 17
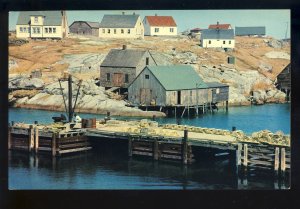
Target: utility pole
197, 105
70, 98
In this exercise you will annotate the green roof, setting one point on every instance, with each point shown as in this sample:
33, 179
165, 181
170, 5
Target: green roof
51, 17
177, 77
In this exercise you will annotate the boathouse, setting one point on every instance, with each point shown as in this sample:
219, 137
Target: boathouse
250, 31
121, 66
283, 80
85, 28
219, 92
42, 24
175, 85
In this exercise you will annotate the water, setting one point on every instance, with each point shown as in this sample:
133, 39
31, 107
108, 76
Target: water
104, 170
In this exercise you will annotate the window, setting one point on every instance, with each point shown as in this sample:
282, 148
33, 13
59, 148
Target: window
107, 76
128, 31
115, 31
122, 30
171, 30
103, 30
34, 30
38, 30
217, 91
54, 30
36, 20
126, 78
156, 30
223, 42
50, 30
146, 76
209, 42
108, 30
229, 42
28, 29
46, 30
21, 29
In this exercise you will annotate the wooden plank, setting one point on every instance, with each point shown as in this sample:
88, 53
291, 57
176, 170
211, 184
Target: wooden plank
45, 149
73, 145
45, 134
175, 157
19, 131
276, 160
143, 149
282, 160
74, 150
260, 162
260, 166
142, 153
72, 139
18, 147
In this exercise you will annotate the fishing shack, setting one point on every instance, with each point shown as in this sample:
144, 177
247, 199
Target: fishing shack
170, 87
219, 92
121, 66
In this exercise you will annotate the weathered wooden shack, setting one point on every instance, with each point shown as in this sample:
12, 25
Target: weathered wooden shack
219, 92
176, 85
121, 66
283, 80
85, 28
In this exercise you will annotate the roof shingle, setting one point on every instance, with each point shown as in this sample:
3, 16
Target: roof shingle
185, 77
119, 21
123, 58
51, 17
161, 21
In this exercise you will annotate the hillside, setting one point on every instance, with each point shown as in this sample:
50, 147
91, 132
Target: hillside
257, 60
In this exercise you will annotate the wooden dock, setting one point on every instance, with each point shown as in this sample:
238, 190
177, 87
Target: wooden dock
262, 150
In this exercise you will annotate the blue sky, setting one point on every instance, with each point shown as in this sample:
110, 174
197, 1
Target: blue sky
275, 20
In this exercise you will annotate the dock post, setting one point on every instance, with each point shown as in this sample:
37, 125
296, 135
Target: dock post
282, 160
276, 160
30, 138
153, 117
184, 147
130, 147
245, 162
238, 157
175, 112
155, 149
226, 106
9, 137
53, 145
36, 140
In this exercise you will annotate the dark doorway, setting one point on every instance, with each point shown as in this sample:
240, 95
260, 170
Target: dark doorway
178, 97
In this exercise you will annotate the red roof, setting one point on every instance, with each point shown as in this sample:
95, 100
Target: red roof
220, 26
161, 21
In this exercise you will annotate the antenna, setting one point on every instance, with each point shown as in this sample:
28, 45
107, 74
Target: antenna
287, 26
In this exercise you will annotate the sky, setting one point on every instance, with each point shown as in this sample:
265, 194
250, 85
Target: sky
277, 22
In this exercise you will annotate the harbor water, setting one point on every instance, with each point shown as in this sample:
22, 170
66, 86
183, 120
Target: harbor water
105, 170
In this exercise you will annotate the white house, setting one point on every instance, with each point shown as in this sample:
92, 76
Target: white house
217, 38
160, 26
42, 24
121, 26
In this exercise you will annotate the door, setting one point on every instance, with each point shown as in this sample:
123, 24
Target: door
210, 95
179, 97
118, 79
145, 96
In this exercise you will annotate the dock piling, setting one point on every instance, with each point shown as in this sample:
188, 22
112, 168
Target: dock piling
155, 149
9, 137
245, 161
282, 160
53, 145
30, 138
130, 146
276, 160
36, 140
185, 147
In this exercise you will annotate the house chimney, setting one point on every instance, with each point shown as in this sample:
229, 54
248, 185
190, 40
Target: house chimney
147, 60
124, 47
123, 13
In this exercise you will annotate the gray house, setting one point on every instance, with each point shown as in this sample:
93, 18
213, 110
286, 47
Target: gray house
176, 85
85, 28
250, 31
121, 66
